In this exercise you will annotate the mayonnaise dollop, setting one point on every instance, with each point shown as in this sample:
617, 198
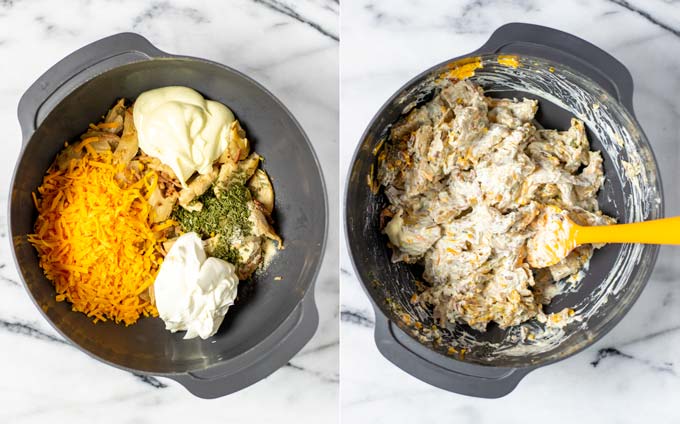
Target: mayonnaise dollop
194, 292
182, 129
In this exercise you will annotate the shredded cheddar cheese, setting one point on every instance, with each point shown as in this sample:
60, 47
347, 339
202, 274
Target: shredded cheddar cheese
463, 69
95, 237
510, 60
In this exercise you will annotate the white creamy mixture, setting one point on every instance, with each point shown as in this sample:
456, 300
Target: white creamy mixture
552, 239
466, 176
182, 129
193, 292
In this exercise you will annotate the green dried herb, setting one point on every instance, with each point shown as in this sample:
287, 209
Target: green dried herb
225, 215
223, 250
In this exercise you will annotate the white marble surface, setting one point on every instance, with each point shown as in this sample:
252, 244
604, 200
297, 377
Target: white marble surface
633, 374
291, 48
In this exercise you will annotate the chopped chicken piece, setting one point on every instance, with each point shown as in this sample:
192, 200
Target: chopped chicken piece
198, 185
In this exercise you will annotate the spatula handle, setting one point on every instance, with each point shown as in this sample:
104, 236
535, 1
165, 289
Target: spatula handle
660, 231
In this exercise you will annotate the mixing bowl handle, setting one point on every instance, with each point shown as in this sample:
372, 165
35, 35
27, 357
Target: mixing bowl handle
584, 57
83, 64
265, 358
442, 371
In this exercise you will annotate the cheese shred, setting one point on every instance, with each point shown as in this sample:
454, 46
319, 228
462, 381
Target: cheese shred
95, 237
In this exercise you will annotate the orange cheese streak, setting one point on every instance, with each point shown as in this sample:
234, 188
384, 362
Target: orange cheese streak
462, 69
509, 60
95, 238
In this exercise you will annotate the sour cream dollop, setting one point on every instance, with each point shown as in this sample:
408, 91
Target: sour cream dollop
182, 129
194, 292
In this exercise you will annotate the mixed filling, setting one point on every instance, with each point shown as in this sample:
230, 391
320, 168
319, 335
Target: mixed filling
158, 210
467, 178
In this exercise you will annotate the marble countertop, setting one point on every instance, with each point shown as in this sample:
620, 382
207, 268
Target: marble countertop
278, 44
633, 374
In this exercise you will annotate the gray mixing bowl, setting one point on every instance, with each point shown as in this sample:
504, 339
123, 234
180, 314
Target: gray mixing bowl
272, 320
569, 77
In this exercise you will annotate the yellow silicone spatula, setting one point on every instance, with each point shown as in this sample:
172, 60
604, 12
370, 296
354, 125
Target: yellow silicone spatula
557, 235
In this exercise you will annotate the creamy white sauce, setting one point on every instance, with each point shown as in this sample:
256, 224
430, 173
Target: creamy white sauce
466, 176
182, 129
194, 292
551, 242
393, 230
